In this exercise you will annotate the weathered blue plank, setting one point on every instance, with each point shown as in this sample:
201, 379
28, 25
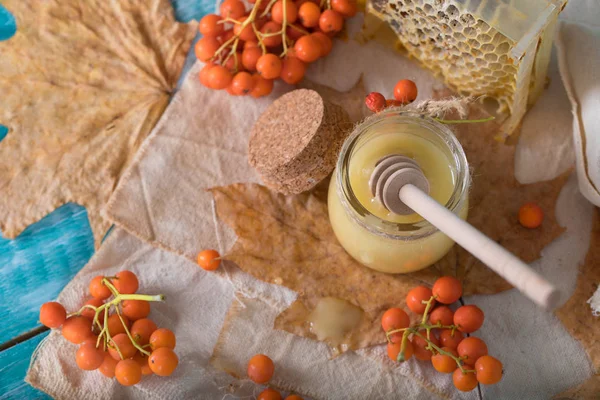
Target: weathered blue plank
8, 27
186, 10
13, 368
35, 266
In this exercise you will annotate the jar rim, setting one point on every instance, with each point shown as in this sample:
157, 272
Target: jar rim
395, 230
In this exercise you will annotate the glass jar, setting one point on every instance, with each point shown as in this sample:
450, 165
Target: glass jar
391, 243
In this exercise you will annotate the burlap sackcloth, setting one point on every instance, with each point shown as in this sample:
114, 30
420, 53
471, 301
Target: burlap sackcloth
201, 142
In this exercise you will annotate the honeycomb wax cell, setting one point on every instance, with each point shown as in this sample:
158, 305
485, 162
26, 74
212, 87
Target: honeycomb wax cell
371, 234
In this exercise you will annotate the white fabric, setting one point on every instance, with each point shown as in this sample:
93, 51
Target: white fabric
540, 358
579, 58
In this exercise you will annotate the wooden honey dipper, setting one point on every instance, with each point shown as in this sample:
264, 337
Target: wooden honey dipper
401, 186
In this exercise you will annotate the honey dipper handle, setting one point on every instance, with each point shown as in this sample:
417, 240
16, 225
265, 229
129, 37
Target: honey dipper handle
504, 263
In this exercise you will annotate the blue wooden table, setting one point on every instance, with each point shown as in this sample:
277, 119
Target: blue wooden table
35, 266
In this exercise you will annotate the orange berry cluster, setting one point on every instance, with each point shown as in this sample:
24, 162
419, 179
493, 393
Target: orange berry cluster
113, 332
261, 370
440, 335
245, 50
405, 92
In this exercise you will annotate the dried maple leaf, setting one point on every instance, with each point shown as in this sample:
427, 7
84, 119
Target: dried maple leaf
288, 240
577, 316
83, 83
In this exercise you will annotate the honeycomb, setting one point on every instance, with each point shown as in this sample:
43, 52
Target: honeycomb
496, 48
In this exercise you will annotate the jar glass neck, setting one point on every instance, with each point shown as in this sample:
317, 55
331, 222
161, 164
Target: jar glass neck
401, 122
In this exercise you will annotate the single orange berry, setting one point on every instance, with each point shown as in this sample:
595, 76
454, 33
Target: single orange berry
269, 394
465, 382
219, 77
115, 326
416, 297
141, 331
107, 368
471, 349
531, 215
294, 31
488, 370
347, 8
209, 25
233, 9
447, 289
375, 102
241, 85
76, 329
292, 70
395, 318
308, 48
245, 33
420, 345
444, 363
442, 315
290, 11
325, 41
269, 66
250, 57
162, 337
262, 86
136, 309
126, 282
468, 318
451, 339
163, 361
98, 289
206, 48
309, 14
393, 350
234, 63
142, 360
209, 259
52, 314
269, 28
225, 36
260, 368
122, 342
89, 313
203, 74
405, 91
128, 372
88, 357
331, 21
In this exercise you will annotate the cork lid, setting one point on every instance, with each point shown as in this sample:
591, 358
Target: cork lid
294, 144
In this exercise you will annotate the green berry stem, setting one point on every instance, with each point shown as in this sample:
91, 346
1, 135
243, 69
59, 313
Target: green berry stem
464, 121
431, 345
133, 341
429, 304
400, 357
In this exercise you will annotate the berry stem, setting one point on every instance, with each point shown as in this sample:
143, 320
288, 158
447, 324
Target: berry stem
464, 121
400, 357
258, 36
137, 346
428, 306
266, 9
283, 29
441, 351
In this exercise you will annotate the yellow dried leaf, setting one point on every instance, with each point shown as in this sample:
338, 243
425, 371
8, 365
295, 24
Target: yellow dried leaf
289, 241
83, 82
